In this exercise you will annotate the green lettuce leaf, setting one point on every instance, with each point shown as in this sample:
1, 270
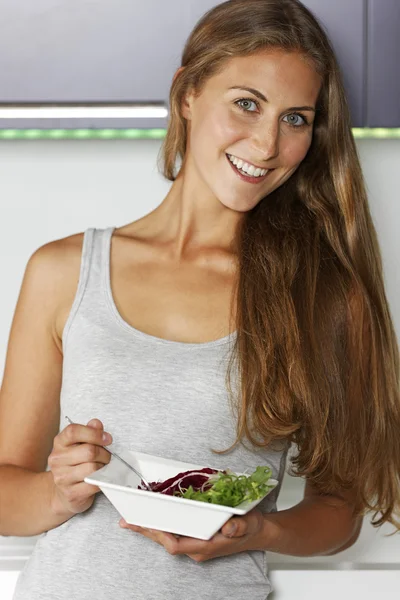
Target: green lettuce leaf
230, 489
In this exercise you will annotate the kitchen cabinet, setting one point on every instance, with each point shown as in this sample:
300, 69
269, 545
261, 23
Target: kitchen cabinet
91, 52
125, 52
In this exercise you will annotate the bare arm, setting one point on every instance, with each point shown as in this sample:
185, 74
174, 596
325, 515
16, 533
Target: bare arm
26, 506
29, 399
317, 526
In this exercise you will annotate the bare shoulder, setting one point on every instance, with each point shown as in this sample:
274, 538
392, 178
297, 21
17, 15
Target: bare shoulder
61, 250
55, 268
57, 265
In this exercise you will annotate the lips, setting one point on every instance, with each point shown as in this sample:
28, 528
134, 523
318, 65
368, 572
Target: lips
236, 160
247, 178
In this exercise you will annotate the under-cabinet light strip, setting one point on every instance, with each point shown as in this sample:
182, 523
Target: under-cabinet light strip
81, 134
83, 112
114, 134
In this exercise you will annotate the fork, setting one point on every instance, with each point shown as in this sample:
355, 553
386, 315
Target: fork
148, 486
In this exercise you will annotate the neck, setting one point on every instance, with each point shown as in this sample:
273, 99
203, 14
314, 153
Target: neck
190, 222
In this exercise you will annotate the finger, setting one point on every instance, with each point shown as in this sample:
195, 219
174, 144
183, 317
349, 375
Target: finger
233, 527
95, 423
187, 545
182, 544
147, 531
249, 524
79, 454
199, 550
78, 434
164, 538
68, 476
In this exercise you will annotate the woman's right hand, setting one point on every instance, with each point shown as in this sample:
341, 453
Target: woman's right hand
76, 454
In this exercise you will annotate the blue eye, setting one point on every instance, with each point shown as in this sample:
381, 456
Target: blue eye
247, 101
297, 124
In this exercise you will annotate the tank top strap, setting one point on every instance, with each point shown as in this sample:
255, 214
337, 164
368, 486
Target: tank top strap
99, 267
94, 270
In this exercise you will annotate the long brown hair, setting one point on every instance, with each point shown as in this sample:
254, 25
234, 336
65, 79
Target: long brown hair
317, 354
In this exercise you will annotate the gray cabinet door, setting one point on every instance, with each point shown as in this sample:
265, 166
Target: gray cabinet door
126, 51
383, 79
90, 52
93, 51
344, 22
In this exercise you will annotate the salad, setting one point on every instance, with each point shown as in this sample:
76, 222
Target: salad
217, 487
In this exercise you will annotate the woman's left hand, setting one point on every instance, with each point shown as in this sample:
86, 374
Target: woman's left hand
249, 534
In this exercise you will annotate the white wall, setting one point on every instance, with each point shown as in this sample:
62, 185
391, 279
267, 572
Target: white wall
50, 189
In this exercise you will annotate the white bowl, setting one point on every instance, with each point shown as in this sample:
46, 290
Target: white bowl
159, 511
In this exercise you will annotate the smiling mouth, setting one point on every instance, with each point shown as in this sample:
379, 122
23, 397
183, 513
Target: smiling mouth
247, 176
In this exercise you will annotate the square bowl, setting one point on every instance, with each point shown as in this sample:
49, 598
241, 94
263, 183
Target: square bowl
159, 511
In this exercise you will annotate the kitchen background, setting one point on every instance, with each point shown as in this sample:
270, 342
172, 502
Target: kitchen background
50, 188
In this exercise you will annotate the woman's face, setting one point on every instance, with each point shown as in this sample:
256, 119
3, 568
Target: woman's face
269, 126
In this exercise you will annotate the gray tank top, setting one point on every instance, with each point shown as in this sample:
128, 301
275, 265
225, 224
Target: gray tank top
155, 396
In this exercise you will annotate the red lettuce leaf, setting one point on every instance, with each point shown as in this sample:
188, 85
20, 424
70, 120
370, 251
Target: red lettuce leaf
195, 478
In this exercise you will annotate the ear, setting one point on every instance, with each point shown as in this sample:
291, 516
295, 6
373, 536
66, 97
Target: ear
188, 98
186, 106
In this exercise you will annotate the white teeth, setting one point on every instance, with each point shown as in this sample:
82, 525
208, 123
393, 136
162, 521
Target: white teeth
248, 169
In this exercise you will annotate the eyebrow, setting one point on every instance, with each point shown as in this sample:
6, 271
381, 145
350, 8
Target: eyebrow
264, 99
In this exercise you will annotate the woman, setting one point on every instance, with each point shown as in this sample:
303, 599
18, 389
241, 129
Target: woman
261, 264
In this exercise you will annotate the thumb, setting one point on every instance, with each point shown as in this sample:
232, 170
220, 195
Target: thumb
234, 528
95, 423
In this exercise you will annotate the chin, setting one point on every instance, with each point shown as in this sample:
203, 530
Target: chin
239, 205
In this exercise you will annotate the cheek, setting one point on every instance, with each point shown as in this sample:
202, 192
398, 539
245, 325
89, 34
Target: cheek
295, 151
227, 128
216, 128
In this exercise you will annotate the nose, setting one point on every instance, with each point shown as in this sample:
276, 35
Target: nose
265, 141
